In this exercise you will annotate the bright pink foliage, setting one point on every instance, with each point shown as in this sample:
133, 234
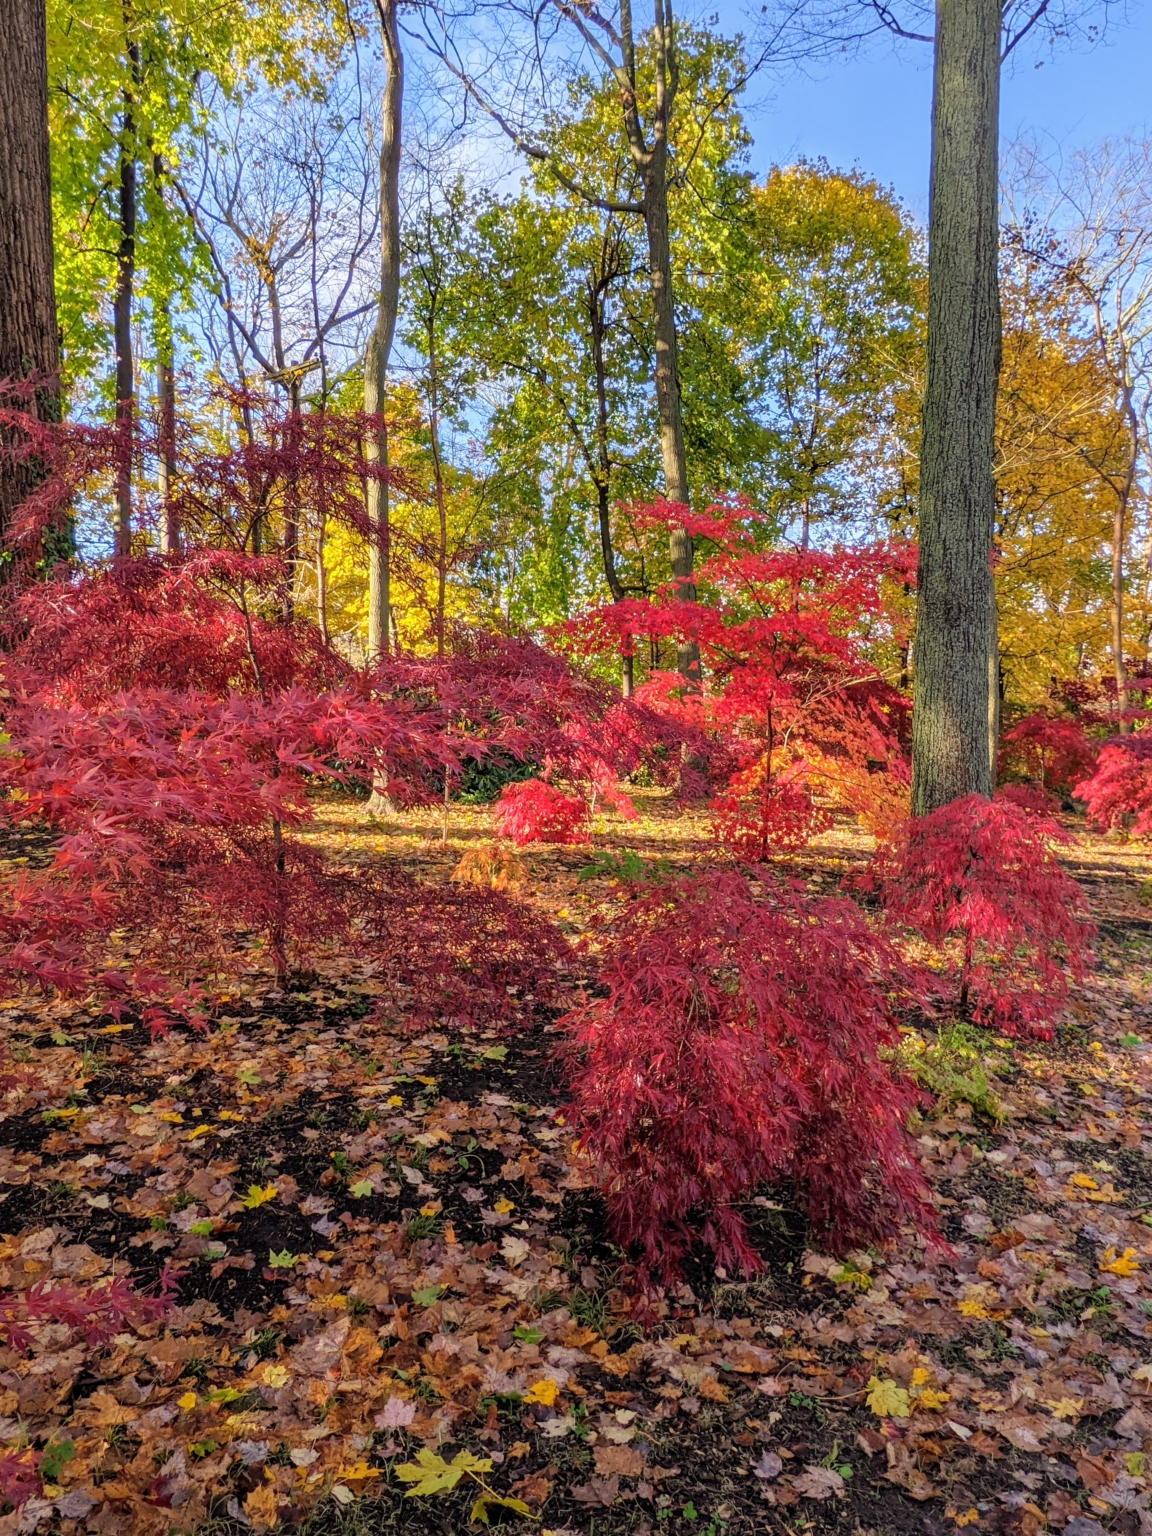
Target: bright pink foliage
534, 811
175, 804
1052, 751
794, 718
739, 1040
980, 878
1119, 791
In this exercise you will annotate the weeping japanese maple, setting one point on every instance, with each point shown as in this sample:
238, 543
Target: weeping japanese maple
981, 880
743, 1034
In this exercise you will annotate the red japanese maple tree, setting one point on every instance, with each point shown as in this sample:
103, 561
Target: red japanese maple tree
744, 1033
980, 879
796, 713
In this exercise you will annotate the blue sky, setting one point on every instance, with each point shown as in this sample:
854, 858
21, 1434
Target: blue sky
873, 111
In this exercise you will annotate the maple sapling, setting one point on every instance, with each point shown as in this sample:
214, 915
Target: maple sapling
979, 878
745, 1034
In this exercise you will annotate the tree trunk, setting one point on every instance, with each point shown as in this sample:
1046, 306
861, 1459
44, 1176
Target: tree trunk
166, 412
28, 338
122, 304
950, 721
652, 162
380, 342
437, 481
322, 579
598, 324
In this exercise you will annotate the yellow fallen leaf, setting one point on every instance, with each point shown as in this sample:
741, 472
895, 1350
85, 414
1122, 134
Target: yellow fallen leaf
394, 1102
887, 1400
201, 1130
931, 1399
257, 1196
172, 1117
229, 1114
357, 1471
1065, 1407
187, 1402
972, 1308
1083, 1181
274, 1375
545, 1392
260, 1507
921, 1377
502, 1207
1124, 1265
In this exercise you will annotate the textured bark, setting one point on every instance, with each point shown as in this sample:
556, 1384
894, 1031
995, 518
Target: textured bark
602, 470
122, 304
166, 412
28, 337
650, 157
954, 635
380, 342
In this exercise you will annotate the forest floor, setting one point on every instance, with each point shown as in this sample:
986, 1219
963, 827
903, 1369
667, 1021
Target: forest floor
387, 1251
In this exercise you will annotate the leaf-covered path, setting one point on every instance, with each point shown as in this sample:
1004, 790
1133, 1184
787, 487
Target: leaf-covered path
388, 1258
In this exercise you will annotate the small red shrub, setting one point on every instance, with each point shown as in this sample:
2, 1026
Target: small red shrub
759, 814
981, 877
1050, 750
1119, 791
457, 955
741, 1038
534, 811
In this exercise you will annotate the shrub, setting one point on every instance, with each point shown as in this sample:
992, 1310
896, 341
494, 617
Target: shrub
759, 814
745, 1033
1119, 791
537, 812
1050, 750
979, 878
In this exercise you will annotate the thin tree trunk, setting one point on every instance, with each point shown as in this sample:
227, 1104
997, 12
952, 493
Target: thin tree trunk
166, 411
380, 342
322, 579
950, 721
437, 481
291, 545
122, 303
1119, 671
651, 161
1119, 540
28, 338
596, 302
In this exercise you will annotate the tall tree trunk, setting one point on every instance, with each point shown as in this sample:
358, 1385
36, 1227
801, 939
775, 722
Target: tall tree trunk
1119, 544
122, 304
291, 543
28, 338
651, 160
437, 480
166, 412
322, 578
597, 299
954, 600
380, 342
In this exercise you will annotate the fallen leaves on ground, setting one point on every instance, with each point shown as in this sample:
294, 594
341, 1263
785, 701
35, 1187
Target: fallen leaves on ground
394, 1283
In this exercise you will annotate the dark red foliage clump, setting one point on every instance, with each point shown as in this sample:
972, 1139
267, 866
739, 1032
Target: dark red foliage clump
533, 811
1119, 791
1050, 751
457, 955
744, 1034
980, 879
